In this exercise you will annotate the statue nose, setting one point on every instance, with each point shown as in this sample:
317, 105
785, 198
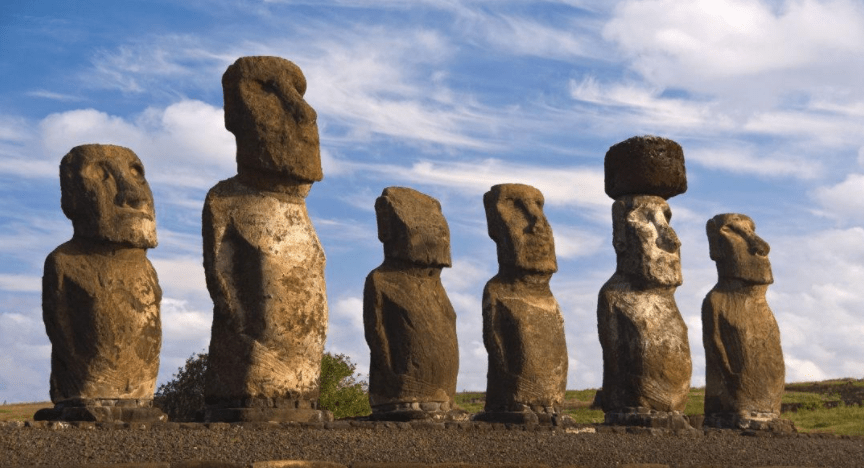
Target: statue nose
130, 192
667, 239
757, 246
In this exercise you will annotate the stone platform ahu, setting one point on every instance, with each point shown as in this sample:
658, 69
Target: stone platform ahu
263, 261
646, 354
523, 329
744, 368
410, 325
100, 294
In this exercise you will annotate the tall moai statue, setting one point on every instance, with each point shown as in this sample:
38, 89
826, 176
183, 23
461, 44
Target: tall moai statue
646, 354
409, 322
523, 329
263, 261
744, 369
100, 294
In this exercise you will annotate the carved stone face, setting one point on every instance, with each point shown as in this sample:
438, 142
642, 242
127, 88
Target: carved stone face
106, 196
514, 214
737, 250
276, 130
412, 227
646, 245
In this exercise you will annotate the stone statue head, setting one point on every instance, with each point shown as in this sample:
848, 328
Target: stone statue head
522, 235
412, 227
646, 246
738, 252
105, 194
276, 130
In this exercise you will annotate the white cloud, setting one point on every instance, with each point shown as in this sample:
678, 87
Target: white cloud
181, 277
569, 186
683, 43
743, 159
572, 242
184, 144
843, 201
20, 283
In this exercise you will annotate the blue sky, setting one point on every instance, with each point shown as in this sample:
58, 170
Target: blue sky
451, 97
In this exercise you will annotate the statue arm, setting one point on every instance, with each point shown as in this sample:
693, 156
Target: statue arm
218, 270
712, 335
373, 322
53, 303
492, 329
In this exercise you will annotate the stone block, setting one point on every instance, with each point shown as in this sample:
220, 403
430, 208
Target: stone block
646, 165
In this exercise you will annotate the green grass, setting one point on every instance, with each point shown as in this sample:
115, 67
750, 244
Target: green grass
844, 420
471, 402
21, 411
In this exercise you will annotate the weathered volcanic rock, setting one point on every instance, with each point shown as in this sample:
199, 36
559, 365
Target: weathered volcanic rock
646, 355
646, 165
100, 294
263, 261
410, 324
523, 329
744, 366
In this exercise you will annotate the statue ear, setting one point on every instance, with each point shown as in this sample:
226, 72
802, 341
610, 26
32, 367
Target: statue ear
383, 216
713, 232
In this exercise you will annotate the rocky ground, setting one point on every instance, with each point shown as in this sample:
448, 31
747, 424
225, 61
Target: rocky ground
354, 442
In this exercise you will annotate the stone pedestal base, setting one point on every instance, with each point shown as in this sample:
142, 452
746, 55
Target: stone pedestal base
266, 415
265, 410
524, 417
643, 417
131, 411
417, 411
754, 421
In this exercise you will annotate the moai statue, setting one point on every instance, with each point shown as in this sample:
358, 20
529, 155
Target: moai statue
409, 322
646, 355
523, 329
745, 373
263, 261
100, 294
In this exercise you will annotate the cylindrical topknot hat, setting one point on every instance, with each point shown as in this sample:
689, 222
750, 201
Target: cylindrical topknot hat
645, 165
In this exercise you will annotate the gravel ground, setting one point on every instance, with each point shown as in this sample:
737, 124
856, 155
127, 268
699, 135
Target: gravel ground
432, 443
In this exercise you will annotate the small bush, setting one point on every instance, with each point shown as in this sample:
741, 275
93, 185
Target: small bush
182, 399
341, 392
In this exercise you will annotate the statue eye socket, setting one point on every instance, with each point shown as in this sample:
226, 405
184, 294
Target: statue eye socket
137, 170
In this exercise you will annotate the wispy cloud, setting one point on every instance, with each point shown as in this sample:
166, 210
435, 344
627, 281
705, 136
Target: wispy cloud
41, 93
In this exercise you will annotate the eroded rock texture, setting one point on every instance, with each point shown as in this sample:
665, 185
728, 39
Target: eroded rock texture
100, 294
523, 329
409, 322
744, 367
263, 261
646, 354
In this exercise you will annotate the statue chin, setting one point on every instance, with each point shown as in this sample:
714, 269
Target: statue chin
138, 233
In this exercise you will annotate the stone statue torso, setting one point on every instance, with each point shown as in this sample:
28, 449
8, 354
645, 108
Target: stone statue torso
523, 331
646, 353
265, 272
101, 311
411, 331
744, 360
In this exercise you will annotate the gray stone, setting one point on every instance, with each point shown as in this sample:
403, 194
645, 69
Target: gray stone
100, 294
409, 322
646, 354
263, 261
744, 368
646, 165
523, 329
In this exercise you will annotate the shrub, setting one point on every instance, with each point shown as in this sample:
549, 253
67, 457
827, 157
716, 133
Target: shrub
182, 399
341, 392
